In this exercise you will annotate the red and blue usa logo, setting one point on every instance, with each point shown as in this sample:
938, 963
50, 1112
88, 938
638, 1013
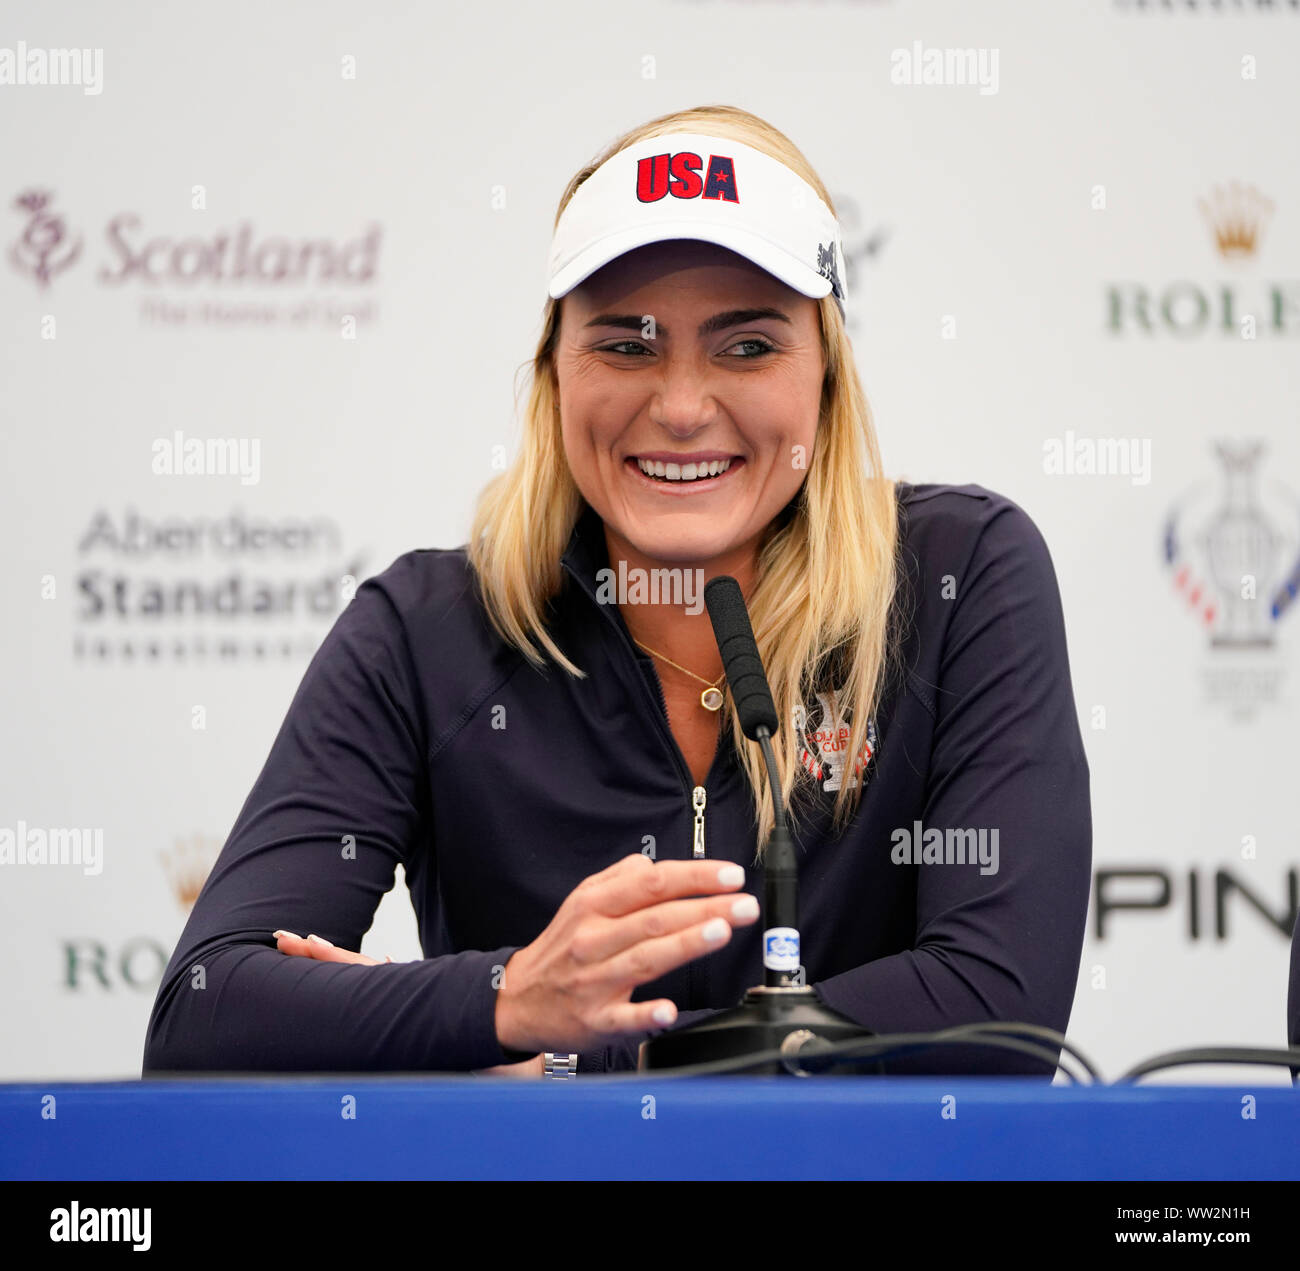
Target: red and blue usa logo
659, 175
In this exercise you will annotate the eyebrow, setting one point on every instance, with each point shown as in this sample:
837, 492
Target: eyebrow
719, 321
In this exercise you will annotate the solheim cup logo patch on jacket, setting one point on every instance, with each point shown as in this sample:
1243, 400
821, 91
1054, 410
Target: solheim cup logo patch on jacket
679, 175
825, 733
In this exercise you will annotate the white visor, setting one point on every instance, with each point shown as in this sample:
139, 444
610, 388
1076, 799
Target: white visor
690, 185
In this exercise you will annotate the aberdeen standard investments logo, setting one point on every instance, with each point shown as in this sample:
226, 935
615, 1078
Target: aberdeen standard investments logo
189, 278
203, 590
1233, 551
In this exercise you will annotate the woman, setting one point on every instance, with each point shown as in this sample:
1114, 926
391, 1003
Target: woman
537, 726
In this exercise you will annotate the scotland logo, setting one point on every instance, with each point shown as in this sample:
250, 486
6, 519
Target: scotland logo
825, 741
828, 267
46, 248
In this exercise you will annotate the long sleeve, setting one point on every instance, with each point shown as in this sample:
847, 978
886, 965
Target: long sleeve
342, 799
1007, 758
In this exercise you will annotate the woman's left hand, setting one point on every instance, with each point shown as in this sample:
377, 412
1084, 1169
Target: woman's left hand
323, 951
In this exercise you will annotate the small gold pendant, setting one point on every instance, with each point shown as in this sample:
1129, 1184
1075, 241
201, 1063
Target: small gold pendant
711, 698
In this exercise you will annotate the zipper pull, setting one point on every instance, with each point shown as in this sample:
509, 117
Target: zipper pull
697, 801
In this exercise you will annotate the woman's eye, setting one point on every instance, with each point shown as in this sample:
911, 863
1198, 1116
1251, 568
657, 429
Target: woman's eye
762, 345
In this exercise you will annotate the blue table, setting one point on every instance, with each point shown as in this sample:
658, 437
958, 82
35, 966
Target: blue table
630, 1127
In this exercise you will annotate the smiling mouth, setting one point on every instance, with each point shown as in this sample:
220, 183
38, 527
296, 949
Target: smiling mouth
682, 474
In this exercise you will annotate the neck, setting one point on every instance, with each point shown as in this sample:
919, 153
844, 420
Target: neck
677, 623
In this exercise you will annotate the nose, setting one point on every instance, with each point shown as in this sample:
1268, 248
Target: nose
683, 402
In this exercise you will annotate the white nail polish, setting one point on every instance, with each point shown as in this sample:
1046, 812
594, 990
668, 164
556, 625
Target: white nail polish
715, 929
731, 875
664, 1015
745, 907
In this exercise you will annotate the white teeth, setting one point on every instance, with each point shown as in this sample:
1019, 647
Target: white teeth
683, 472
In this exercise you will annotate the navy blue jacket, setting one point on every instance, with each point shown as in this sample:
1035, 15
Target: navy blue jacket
418, 737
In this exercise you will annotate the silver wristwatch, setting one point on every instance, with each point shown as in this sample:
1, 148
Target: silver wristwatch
559, 1067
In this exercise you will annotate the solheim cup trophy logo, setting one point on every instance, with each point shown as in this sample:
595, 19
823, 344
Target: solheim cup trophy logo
825, 748
44, 248
1234, 554
1241, 543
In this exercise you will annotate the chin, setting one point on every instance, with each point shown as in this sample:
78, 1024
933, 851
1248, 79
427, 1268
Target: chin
683, 548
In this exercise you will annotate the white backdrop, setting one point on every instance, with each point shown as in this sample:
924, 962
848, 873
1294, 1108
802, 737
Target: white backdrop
1043, 264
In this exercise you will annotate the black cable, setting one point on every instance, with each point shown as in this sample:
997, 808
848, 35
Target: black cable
1214, 1055
877, 1047
881, 1046
903, 1043
1047, 1034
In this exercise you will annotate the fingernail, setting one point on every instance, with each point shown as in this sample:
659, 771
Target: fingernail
278, 934
745, 907
664, 1014
731, 876
714, 930
320, 940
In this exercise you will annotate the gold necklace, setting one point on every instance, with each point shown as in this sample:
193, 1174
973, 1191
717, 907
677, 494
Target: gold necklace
711, 699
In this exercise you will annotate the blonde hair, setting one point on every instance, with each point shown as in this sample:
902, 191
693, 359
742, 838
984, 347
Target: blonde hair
827, 566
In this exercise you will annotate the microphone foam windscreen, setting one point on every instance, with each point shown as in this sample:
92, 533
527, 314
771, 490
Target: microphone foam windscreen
740, 660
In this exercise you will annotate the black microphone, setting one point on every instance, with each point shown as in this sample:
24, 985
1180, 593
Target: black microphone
758, 721
782, 1014
740, 660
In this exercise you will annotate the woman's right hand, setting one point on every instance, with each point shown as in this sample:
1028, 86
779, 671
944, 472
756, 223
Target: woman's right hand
569, 990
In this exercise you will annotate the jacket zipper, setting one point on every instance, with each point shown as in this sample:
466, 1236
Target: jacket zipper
698, 793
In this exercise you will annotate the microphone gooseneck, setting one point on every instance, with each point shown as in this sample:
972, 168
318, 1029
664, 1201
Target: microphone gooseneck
758, 721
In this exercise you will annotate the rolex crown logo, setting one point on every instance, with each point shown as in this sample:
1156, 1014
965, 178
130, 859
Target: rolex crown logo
1236, 214
187, 866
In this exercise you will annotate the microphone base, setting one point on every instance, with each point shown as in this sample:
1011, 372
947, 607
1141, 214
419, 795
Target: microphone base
762, 1021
